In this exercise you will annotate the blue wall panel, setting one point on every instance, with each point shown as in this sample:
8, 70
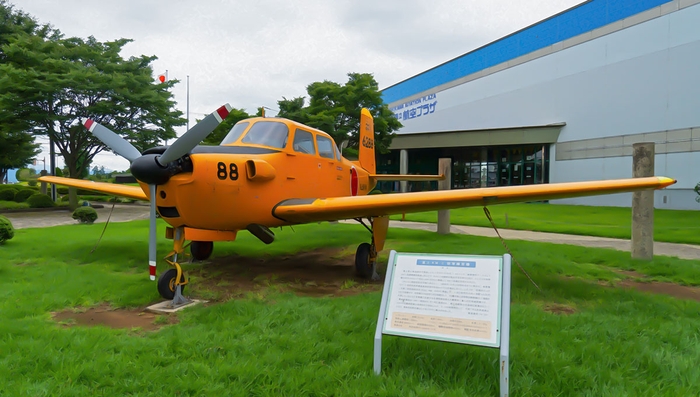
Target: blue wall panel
581, 19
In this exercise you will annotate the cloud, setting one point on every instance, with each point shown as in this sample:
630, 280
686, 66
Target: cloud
252, 54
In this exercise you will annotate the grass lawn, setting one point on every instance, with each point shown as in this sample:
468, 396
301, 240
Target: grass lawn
615, 341
673, 226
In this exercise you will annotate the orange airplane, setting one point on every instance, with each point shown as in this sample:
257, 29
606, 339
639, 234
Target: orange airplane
271, 172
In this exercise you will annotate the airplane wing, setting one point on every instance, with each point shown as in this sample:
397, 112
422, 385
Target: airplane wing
134, 192
326, 209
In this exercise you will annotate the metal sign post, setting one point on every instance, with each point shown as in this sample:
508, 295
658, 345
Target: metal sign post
450, 298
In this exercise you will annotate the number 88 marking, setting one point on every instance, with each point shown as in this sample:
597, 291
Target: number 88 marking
231, 173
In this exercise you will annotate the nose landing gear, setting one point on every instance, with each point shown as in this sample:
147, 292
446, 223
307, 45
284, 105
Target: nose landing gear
172, 282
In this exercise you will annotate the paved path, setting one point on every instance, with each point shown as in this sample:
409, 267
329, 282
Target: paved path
124, 213
683, 251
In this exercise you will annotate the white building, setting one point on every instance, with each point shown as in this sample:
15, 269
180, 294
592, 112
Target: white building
564, 100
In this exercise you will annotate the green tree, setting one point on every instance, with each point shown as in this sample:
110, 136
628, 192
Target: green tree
293, 109
335, 109
55, 84
17, 149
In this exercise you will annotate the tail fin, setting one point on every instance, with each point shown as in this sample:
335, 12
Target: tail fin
366, 138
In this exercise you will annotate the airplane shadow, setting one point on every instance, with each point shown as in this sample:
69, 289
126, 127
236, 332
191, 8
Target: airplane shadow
322, 272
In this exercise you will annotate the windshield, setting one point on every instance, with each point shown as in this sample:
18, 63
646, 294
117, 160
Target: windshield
267, 133
235, 133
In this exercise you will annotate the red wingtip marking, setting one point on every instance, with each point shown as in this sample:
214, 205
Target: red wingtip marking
152, 270
223, 112
88, 124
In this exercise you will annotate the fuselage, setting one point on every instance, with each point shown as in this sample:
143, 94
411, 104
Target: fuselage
262, 162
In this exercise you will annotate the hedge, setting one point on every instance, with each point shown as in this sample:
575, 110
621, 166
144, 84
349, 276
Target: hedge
6, 229
23, 195
39, 200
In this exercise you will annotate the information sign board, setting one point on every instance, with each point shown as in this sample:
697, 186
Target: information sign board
450, 298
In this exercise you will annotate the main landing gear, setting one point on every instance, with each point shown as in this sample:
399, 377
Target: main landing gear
201, 250
366, 254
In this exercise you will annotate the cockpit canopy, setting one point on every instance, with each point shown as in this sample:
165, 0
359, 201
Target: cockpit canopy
276, 134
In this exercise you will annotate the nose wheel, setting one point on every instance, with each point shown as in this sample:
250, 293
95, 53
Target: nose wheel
167, 285
172, 282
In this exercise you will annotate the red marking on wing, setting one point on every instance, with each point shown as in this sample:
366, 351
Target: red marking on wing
88, 124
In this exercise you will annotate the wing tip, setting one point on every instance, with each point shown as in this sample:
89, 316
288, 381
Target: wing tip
665, 181
89, 124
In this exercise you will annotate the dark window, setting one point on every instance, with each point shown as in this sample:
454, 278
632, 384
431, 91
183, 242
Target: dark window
304, 142
325, 146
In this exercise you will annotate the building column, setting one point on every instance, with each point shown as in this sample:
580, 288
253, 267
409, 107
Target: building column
643, 203
403, 169
444, 168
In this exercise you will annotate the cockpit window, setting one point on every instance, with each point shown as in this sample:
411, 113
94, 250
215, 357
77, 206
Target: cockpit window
325, 147
304, 142
267, 133
235, 133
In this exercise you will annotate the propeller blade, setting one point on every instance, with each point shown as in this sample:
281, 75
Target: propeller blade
152, 235
114, 141
194, 136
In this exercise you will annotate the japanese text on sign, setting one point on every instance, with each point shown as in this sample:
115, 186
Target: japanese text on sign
446, 298
416, 108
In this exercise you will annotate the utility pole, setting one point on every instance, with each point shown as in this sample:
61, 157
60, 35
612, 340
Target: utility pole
52, 155
188, 103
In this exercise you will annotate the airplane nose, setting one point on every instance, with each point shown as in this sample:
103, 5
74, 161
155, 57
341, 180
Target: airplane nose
147, 169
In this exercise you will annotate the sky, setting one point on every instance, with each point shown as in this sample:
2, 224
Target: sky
254, 53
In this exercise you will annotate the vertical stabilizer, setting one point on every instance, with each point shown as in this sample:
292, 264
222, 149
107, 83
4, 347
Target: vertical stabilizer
366, 138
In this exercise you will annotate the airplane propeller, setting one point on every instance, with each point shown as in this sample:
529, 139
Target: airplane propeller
156, 169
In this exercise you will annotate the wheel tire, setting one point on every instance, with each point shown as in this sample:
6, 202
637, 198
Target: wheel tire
201, 250
363, 267
166, 284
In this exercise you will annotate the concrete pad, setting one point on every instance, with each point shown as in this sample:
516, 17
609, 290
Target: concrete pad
166, 307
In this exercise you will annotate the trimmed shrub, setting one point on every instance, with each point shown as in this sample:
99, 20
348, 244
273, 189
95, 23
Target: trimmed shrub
23, 195
85, 214
38, 200
6, 229
32, 183
7, 194
62, 190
